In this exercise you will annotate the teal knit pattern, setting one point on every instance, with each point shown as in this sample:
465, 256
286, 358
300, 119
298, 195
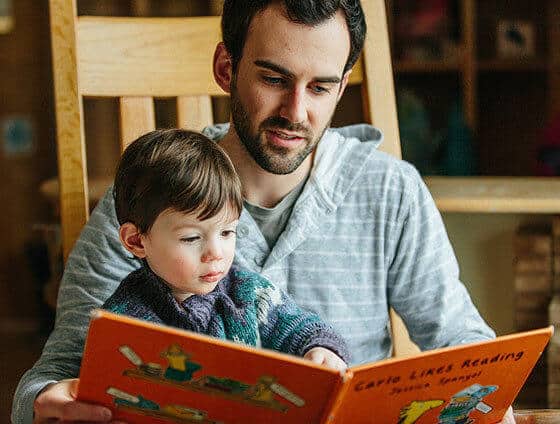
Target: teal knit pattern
244, 307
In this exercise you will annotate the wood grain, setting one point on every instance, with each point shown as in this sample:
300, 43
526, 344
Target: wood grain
156, 57
378, 87
495, 194
137, 117
194, 112
69, 123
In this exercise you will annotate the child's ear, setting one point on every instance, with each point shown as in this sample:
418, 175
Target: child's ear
131, 238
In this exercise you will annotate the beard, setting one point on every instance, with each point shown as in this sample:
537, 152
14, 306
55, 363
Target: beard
274, 159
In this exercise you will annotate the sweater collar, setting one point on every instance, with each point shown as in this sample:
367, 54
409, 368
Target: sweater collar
337, 161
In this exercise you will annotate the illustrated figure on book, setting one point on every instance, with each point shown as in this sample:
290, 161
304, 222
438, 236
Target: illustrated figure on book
463, 403
347, 230
176, 413
457, 409
180, 373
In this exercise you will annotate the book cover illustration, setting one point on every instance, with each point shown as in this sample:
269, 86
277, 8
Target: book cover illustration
181, 372
465, 384
148, 373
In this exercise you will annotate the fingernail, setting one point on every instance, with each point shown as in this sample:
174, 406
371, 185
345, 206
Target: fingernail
107, 414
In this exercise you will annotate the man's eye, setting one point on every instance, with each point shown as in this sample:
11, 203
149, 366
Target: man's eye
318, 89
192, 239
273, 80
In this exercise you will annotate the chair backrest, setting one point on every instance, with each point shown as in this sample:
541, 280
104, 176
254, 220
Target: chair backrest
137, 59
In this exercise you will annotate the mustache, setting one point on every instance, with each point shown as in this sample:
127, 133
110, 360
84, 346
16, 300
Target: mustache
283, 123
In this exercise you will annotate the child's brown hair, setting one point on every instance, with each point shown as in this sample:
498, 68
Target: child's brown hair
178, 169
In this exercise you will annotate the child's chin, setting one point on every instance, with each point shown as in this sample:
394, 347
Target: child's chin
207, 289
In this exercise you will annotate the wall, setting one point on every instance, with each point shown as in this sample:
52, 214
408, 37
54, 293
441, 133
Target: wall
484, 246
25, 91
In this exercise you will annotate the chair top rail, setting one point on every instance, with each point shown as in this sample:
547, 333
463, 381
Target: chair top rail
155, 57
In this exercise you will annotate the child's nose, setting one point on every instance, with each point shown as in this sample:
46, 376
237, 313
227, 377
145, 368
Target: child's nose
213, 252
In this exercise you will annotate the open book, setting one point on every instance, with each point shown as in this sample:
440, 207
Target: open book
149, 373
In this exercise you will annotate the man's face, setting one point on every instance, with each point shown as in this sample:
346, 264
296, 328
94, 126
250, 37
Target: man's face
287, 84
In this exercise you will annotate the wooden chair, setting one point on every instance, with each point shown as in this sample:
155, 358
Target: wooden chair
137, 59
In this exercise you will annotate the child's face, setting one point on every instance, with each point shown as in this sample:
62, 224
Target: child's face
192, 256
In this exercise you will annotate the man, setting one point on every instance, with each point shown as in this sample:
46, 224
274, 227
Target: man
346, 229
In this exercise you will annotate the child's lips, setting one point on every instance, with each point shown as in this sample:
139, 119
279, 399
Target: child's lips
211, 277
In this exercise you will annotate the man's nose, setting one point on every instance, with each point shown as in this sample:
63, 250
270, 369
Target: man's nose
294, 107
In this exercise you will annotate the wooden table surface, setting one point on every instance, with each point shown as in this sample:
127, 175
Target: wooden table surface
537, 416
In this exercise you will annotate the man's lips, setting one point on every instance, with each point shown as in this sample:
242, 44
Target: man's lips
285, 134
283, 139
211, 277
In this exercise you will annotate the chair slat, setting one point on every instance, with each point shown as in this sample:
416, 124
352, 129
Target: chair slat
137, 117
378, 91
147, 56
74, 209
357, 75
380, 109
194, 112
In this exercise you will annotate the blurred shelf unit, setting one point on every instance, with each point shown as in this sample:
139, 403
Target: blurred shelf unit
531, 195
508, 96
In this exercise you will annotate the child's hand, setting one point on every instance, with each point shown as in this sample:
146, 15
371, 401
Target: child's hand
322, 356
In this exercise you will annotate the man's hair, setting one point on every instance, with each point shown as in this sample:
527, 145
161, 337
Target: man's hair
238, 14
177, 169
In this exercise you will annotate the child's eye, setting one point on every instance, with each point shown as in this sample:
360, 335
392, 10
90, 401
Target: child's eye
228, 233
192, 239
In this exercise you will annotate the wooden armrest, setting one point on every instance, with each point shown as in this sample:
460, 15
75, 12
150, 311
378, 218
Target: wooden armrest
537, 416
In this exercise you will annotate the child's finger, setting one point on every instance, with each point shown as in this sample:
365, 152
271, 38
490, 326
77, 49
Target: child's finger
316, 356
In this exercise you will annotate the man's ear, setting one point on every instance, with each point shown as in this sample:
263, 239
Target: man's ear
343, 84
223, 67
131, 238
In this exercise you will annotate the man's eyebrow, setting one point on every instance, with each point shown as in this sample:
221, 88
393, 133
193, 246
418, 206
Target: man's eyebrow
274, 67
281, 70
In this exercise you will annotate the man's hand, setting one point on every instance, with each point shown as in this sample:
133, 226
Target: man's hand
57, 403
320, 355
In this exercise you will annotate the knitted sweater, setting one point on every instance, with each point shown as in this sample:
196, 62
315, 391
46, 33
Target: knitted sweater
244, 307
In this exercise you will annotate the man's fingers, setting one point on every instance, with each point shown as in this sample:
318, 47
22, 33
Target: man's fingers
72, 387
80, 411
71, 411
58, 401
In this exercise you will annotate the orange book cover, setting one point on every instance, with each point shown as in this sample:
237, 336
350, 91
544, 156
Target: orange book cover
148, 373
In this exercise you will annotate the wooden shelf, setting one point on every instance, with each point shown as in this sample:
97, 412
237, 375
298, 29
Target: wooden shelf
413, 66
6, 24
496, 194
490, 65
513, 65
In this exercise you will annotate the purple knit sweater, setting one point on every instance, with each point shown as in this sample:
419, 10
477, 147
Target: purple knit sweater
244, 307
